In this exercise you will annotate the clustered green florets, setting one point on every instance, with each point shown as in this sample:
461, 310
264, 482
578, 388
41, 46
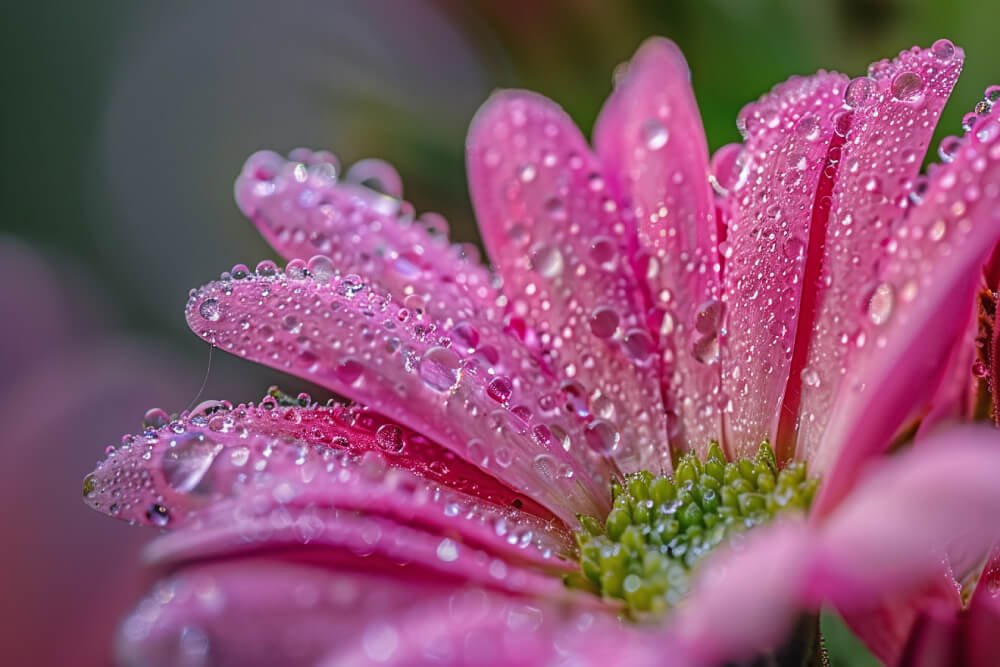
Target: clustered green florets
659, 527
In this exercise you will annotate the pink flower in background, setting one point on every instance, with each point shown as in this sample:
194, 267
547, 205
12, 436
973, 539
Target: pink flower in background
810, 289
69, 374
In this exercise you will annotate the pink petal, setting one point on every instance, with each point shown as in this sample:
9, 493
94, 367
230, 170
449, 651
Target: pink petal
261, 612
982, 622
881, 156
774, 243
304, 207
553, 229
491, 406
242, 467
744, 600
937, 504
887, 628
919, 310
651, 142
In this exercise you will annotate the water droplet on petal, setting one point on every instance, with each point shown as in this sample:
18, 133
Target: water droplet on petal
604, 322
547, 260
602, 437
439, 369
881, 303
654, 134
186, 462
390, 438
500, 389
209, 310
859, 92
906, 86
943, 49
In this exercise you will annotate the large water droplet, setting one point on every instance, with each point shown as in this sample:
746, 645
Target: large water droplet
439, 369
209, 310
859, 92
602, 437
654, 134
500, 389
881, 303
604, 322
943, 49
186, 462
906, 86
390, 438
547, 260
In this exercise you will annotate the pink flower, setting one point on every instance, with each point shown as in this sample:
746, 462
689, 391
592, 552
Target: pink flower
809, 289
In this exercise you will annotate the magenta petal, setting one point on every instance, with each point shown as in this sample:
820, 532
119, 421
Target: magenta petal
936, 504
918, 311
777, 213
553, 229
756, 587
650, 139
303, 208
266, 613
243, 467
983, 617
882, 152
489, 404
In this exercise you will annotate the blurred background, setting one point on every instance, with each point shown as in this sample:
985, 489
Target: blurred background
125, 124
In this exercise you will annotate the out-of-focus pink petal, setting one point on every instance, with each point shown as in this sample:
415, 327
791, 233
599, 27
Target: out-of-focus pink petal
890, 119
774, 243
261, 612
886, 628
954, 398
918, 310
251, 464
893, 534
553, 229
746, 597
349, 539
982, 620
490, 406
304, 207
935, 639
650, 139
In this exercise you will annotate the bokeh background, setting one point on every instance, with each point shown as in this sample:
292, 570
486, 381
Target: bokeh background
125, 123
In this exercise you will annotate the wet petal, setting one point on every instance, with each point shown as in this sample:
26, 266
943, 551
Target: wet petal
919, 309
489, 404
890, 126
262, 612
650, 139
759, 586
982, 622
935, 504
305, 207
774, 240
553, 229
226, 474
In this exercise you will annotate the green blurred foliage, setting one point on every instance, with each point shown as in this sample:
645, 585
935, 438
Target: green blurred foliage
60, 58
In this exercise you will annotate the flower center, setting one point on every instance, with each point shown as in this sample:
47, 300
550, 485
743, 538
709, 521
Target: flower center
661, 526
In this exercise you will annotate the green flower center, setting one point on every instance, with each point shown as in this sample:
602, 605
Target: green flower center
661, 526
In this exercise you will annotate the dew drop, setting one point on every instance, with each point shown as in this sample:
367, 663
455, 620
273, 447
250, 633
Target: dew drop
322, 268
604, 322
209, 310
439, 369
158, 515
639, 346
500, 389
349, 371
155, 418
881, 303
186, 462
943, 49
948, 148
654, 134
602, 437
390, 438
906, 86
859, 92
547, 260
